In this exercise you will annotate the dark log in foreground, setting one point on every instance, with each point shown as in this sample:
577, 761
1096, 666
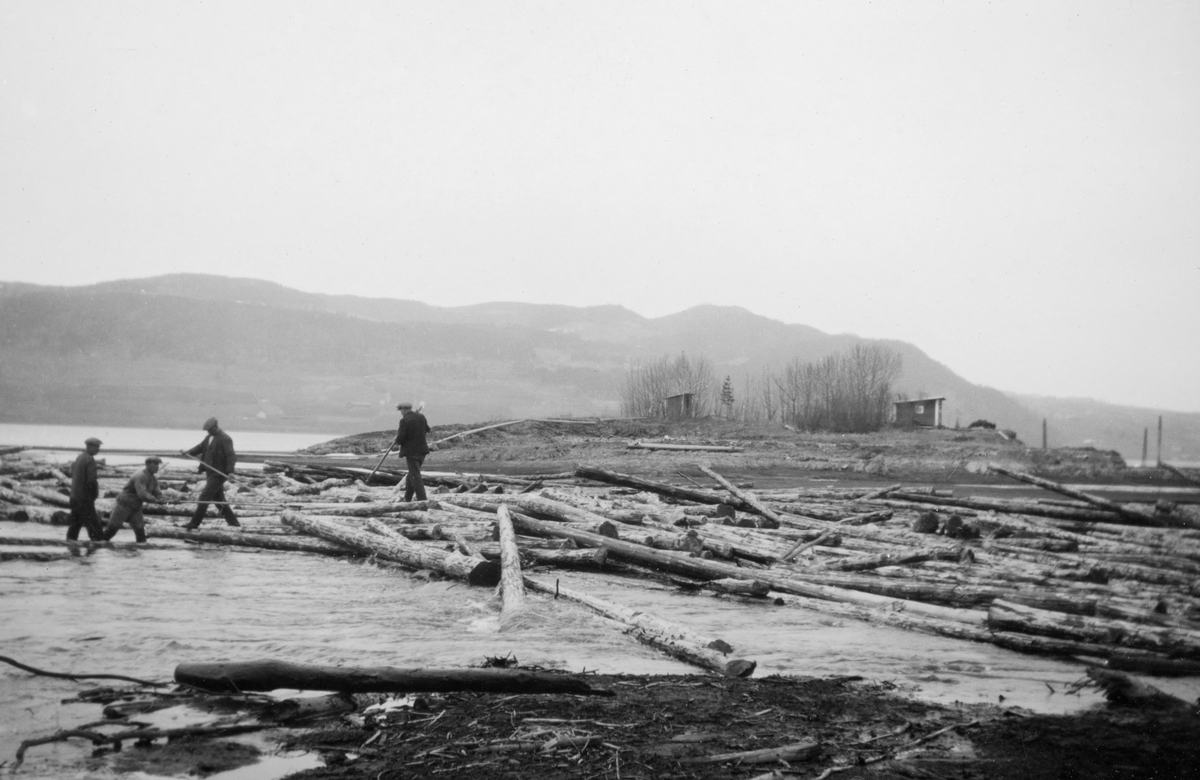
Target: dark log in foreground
1158, 667
272, 675
475, 571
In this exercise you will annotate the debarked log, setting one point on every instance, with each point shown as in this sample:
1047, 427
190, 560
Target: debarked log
1008, 616
273, 675
475, 571
661, 488
592, 558
699, 568
672, 638
513, 612
241, 539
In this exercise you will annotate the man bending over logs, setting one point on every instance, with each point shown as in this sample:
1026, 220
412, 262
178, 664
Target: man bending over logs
143, 487
85, 489
217, 461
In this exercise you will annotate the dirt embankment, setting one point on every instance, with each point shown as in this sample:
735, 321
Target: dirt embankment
769, 450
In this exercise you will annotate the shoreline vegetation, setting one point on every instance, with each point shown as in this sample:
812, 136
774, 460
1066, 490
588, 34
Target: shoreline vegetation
884, 528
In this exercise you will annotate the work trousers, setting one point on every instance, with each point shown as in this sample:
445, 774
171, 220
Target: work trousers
122, 514
214, 490
83, 515
412, 482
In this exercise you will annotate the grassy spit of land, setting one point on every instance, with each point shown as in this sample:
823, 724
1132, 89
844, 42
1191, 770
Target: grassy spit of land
770, 454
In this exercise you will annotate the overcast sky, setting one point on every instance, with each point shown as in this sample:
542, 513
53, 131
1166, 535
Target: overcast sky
1013, 187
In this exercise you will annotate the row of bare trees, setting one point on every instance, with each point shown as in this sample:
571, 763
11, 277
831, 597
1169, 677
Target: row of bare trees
851, 391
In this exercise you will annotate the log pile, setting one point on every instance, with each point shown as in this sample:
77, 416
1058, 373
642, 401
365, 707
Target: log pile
1078, 577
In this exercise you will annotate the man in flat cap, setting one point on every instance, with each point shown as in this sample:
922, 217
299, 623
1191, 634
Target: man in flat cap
410, 437
85, 489
141, 488
217, 461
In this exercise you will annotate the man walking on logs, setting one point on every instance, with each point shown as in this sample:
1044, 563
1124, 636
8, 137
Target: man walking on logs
142, 488
217, 461
85, 489
410, 437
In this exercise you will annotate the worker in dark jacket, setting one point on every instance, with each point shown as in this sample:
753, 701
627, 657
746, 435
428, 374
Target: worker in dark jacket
217, 461
142, 488
85, 489
411, 439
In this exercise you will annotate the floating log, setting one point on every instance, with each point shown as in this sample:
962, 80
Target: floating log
475, 571
512, 589
660, 488
699, 568
273, 675
1007, 616
745, 496
579, 518
260, 541
674, 639
1133, 513
1013, 507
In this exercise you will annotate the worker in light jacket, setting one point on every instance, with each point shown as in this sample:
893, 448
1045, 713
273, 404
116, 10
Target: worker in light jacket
142, 488
410, 438
217, 461
85, 489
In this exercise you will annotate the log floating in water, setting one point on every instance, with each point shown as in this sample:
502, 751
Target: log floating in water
273, 675
513, 610
1132, 513
746, 497
475, 571
673, 639
661, 488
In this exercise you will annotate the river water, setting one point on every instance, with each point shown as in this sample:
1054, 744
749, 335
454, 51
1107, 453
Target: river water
140, 613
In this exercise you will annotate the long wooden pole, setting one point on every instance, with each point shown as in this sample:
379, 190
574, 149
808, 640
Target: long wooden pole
380, 463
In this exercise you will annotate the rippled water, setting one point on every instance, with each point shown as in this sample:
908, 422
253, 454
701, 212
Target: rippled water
142, 612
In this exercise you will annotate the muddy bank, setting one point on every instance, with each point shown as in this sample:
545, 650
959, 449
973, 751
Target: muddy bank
675, 726
771, 451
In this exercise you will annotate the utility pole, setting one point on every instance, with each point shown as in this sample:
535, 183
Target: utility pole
1159, 440
1044, 434
1145, 445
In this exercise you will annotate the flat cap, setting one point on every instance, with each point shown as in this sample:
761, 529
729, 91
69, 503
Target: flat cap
153, 459
209, 424
92, 440
404, 405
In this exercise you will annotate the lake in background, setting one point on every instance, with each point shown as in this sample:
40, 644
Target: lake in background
159, 440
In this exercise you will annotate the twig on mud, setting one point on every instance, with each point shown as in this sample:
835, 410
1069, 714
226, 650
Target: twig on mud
97, 738
892, 753
61, 675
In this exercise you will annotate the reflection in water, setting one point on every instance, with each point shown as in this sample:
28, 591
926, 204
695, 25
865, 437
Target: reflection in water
140, 613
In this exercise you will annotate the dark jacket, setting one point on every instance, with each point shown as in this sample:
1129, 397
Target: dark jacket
84, 484
216, 451
411, 435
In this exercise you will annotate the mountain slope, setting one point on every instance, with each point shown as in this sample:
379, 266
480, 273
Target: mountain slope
172, 349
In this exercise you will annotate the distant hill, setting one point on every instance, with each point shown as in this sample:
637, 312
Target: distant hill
170, 350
